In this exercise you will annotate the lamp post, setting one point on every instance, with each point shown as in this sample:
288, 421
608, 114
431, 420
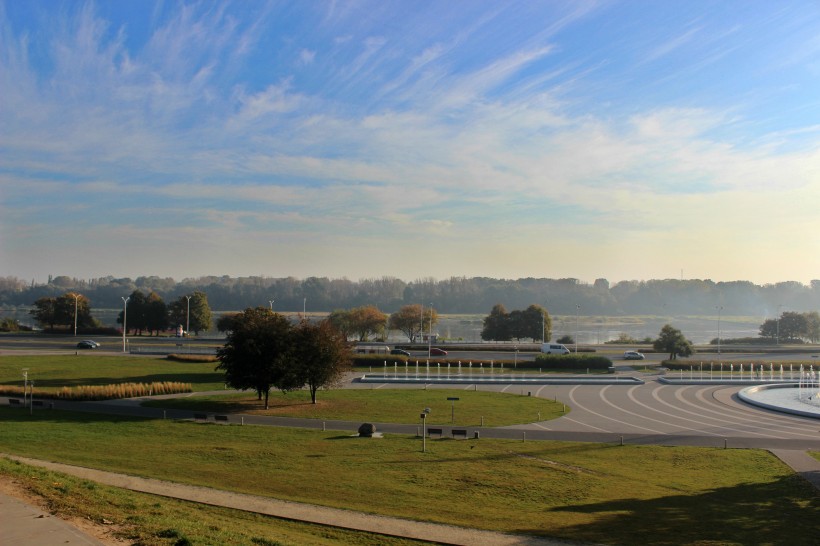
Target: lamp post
124, 319
577, 312
430, 332
25, 385
424, 429
76, 297
777, 339
304, 308
188, 316
421, 323
271, 304
719, 309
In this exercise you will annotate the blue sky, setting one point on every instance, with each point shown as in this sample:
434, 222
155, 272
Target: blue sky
625, 140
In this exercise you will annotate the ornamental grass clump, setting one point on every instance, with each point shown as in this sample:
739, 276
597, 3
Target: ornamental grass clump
120, 390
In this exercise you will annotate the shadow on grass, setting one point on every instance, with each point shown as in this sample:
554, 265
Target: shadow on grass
784, 512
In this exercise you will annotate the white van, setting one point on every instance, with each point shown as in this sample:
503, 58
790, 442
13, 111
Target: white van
554, 349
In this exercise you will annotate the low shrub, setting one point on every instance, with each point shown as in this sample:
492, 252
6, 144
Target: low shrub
192, 358
569, 362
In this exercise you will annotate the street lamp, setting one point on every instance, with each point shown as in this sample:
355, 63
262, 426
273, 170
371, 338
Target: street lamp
421, 323
271, 304
25, 385
430, 332
76, 297
577, 312
777, 339
188, 316
304, 307
124, 317
719, 309
424, 429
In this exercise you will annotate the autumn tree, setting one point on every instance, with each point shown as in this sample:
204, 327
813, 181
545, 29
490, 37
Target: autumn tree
412, 320
367, 320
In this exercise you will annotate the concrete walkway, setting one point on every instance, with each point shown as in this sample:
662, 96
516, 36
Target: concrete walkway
358, 521
24, 525
801, 462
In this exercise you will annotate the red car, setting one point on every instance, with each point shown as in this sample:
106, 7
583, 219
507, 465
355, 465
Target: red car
435, 351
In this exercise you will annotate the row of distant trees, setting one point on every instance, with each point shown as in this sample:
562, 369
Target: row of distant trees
142, 312
791, 326
668, 297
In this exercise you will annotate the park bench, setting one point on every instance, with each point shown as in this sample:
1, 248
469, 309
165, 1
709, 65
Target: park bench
461, 433
220, 417
434, 432
38, 403
15, 402
201, 416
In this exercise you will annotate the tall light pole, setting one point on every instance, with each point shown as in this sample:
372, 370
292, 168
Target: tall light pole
25, 385
421, 323
777, 339
76, 297
719, 309
577, 312
304, 308
430, 332
188, 316
124, 319
271, 304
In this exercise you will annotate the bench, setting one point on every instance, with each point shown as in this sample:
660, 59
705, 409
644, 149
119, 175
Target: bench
201, 416
462, 433
15, 402
434, 431
220, 417
38, 403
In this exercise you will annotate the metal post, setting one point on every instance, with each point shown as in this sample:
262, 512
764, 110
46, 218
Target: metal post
124, 320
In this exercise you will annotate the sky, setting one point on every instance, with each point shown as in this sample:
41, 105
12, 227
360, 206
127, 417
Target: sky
584, 139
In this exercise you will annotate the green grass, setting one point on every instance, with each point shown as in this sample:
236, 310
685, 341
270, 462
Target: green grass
151, 520
383, 405
587, 492
55, 371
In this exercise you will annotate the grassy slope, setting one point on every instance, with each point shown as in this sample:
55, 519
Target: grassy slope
586, 492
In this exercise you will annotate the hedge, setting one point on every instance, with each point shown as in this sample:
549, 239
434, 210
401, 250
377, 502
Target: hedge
569, 362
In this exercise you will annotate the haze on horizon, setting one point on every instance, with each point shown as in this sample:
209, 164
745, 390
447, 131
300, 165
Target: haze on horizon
581, 139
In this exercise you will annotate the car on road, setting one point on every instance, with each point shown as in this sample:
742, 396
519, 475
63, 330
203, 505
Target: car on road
400, 352
88, 344
633, 355
435, 351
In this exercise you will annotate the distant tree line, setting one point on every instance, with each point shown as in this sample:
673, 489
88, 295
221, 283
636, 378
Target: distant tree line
668, 297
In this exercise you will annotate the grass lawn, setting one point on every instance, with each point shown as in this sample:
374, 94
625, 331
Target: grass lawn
587, 492
383, 405
151, 520
55, 371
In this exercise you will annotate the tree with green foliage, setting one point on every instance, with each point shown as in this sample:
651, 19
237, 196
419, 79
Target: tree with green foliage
225, 322
534, 322
62, 311
258, 353
156, 314
135, 315
497, 325
672, 341
195, 316
321, 355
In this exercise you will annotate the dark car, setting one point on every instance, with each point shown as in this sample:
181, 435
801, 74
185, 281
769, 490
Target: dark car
435, 351
400, 352
87, 344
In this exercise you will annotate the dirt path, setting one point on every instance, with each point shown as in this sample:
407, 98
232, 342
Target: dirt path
431, 532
